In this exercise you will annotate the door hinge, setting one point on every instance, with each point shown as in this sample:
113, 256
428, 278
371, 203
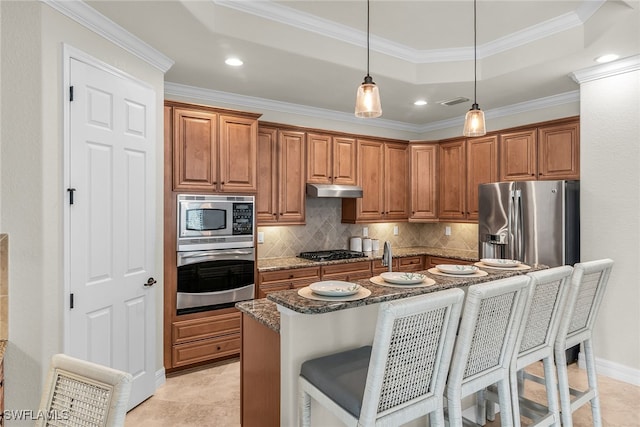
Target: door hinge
71, 191
70, 300
70, 93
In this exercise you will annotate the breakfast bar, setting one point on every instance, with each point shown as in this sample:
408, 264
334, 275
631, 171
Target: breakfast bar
299, 328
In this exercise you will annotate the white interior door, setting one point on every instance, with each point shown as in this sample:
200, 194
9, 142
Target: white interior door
111, 224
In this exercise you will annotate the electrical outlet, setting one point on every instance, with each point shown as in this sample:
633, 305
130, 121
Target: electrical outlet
395, 230
260, 236
447, 231
365, 231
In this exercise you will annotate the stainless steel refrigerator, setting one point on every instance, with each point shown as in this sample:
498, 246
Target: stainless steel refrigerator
536, 222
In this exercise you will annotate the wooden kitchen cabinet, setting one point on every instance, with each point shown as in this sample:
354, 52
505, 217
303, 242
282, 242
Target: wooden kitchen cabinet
482, 168
202, 338
331, 159
280, 280
424, 182
280, 198
383, 174
213, 150
452, 180
559, 151
432, 261
411, 263
463, 165
549, 151
346, 272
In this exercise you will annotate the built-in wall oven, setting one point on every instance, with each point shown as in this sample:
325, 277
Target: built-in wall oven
215, 251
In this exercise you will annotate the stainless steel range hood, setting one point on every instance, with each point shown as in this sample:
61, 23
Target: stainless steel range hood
330, 190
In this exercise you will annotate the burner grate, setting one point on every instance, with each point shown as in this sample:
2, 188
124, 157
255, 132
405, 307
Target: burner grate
330, 255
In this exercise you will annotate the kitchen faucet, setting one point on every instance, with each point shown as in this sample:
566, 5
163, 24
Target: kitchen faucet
386, 255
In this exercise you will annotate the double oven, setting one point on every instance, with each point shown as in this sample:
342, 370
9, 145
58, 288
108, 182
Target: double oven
215, 251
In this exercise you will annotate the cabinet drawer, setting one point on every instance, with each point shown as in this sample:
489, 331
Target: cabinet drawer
290, 274
197, 329
348, 271
208, 349
434, 260
377, 267
413, 263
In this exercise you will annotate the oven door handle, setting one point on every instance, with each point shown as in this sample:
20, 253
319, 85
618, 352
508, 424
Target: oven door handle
185, 258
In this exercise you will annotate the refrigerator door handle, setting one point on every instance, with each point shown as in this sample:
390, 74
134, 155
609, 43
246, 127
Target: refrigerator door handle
513, 228
519, 246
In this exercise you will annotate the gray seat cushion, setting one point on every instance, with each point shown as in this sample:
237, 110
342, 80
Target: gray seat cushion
341, 376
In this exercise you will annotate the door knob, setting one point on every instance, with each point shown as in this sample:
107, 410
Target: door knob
150, 282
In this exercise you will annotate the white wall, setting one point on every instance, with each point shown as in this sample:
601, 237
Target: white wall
610, 211
31, 183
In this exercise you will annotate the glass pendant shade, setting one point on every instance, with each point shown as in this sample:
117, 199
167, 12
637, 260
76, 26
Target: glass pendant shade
368, 99
474, 122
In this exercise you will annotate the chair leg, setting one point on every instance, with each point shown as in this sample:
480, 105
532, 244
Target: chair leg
454, 409
551, 388
436, 418
515, 394
593, 382
563, 388
504, 396
481, 407
305, 406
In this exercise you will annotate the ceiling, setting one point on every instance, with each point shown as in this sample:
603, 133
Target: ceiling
313, 53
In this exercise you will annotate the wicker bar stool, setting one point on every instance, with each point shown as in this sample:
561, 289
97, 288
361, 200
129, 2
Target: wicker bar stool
547, 293
484, 348
588, 283
81, 393
400, 377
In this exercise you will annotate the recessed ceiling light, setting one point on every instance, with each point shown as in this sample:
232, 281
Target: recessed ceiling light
607, 58
420, 102
234, 62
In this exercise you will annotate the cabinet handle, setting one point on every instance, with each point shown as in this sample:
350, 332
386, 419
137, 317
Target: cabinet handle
291, 276
222, 183
215, 182
274, 214
219, 348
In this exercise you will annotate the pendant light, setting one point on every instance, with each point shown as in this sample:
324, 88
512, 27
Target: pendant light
474, 120
368, 96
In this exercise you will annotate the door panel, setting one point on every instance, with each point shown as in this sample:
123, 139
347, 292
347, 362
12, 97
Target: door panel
112, 224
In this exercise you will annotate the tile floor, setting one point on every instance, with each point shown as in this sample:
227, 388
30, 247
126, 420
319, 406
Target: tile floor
210, 396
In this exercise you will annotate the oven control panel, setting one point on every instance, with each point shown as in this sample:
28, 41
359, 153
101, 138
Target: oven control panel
242, 218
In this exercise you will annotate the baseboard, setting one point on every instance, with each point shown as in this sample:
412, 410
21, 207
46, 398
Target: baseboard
613, 370
160, 377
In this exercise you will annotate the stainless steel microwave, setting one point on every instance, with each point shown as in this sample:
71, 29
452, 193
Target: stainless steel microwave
207, 221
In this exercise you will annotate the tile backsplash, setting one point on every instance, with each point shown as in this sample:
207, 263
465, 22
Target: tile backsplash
323, 230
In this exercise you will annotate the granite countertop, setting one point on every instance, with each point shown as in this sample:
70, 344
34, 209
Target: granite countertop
262, 310
3, 347
265, 310
273, 264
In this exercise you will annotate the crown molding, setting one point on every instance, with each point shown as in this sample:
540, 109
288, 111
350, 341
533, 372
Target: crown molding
304, 21
214, 97
91, 19
624, 65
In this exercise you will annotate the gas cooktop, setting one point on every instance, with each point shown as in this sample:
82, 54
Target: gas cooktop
331, 255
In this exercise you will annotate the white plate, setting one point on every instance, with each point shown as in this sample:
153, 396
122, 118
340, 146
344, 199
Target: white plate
500, 262
400, 278
334, 288
457, 269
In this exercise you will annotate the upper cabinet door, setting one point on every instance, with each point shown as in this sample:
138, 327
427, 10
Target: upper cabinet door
292, 176
267, 195
238, 152
559, 151
482, 168
452, 183
319, 158
344, 161
518, 156
396, 178
331, 159
194, 150
424, 182
370, 170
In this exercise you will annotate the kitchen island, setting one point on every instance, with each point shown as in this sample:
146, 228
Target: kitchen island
282, 331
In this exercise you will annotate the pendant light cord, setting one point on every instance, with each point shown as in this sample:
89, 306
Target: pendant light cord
475, 59
367, 37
